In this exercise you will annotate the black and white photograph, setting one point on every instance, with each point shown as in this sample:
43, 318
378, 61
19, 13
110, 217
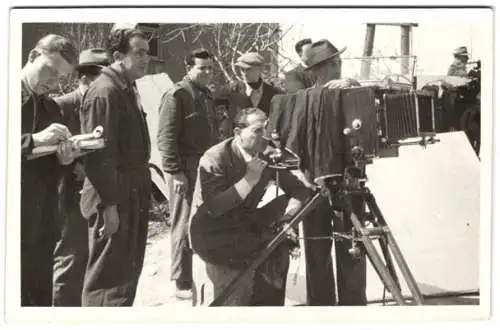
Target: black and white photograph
333, 162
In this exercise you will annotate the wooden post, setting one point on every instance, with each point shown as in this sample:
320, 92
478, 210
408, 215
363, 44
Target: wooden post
367, 51
405, 49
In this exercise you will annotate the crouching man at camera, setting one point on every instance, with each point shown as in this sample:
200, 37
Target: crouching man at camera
227, 230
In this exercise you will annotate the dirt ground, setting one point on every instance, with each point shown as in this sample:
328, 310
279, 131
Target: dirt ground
156, 289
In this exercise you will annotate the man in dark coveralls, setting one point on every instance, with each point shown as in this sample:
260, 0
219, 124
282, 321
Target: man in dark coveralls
116, 192
227, 230
326, 67
52, 57
187, 127
299, 78
71, 252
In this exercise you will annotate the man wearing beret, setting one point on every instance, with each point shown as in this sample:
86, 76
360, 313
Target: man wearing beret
458, 67
187, 127
256, 92
71, 252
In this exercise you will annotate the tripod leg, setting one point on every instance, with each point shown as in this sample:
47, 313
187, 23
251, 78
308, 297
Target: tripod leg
264, 255
377, 262
388, 260
403, 266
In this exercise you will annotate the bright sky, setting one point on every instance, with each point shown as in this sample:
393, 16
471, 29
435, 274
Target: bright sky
431, 43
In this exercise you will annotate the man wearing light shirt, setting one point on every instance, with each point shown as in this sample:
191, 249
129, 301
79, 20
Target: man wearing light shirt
227, 230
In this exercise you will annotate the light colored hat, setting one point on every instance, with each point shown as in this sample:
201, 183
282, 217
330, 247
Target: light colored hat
93, 57
321, 51
248, 60
461, 51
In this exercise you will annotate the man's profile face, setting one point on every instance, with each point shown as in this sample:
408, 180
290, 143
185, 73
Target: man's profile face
305, 53
201, 71
251, 74
330, 70
252, 136
137, 58
45, 71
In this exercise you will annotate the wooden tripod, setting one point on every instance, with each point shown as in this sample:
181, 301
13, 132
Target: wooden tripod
368, 226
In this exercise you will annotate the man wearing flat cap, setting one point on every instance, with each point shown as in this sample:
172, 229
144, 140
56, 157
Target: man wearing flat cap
458, 67
257, 93
71, 252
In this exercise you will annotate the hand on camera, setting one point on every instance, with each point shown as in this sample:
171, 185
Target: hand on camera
341, 83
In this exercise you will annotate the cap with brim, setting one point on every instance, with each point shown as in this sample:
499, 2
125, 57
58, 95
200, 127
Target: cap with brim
249, 60
321, 51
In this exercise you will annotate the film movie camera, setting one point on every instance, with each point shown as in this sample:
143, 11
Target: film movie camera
373, 120
458, 103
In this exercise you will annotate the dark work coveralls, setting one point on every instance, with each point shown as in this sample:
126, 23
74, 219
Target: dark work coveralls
187, 127
306, 123
71, 252
39, 223
118, 175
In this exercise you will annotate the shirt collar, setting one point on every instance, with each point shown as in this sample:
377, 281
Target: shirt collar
249, 90
116, 73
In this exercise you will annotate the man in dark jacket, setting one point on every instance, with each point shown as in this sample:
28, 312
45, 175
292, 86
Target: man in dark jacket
52, 57
255, 92
326, 66
116, 192
71, 252
187, 127
298, 78
227, 230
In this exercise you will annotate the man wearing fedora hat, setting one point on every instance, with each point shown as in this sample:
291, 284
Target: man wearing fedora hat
256, 92
458, 67
325, 67
71, 252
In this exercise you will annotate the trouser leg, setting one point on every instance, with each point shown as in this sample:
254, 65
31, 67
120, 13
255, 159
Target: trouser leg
351, 272
70, 255
320, 281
